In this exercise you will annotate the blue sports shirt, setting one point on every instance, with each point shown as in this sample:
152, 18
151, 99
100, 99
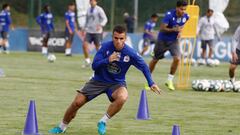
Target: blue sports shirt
115, 72
45, 20
172, 20
5, 20
70, 17
149, 26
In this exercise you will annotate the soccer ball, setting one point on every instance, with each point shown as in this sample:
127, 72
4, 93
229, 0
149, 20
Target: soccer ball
195, 84
201, 62
227, 86
216, 86
51, 58
203, 85
216, 62
210, 62
236, 87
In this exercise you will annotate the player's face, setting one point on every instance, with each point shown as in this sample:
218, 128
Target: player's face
155, 19
8, 8
118, 40
72, 8
93, 3
181, 10
209, 14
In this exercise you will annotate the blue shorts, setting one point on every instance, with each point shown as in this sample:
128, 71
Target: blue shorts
94, 88
69, 36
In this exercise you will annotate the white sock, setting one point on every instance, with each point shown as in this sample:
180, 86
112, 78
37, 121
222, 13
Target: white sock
105, 118
44, 50
88, 60
68, 51
232, 79
63, 126
170, 77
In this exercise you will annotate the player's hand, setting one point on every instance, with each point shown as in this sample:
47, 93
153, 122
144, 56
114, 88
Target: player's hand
98, 27
177, 28
156, 89
234, 57
115, 56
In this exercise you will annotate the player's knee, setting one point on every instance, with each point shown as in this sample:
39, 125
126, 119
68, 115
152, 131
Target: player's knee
122, 98
176, 59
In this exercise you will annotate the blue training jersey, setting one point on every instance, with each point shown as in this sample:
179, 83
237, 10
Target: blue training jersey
149, 26
5, 20
45, 20
70, 17
115, 72
172, 20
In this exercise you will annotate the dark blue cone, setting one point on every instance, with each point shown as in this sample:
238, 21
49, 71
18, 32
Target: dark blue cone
143, 112
31, 124
175, 130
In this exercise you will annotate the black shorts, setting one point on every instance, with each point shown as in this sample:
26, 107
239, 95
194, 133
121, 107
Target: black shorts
4, 35
205, 43
162, 46
94, 88
69, 36
95, 38
238, 61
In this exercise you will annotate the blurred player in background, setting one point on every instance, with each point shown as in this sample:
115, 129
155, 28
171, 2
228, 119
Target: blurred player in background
170, 32
45, 21
5, 22
71, 28
235, 54
96, 19
129, 21
148, 35
110, 66
206, 31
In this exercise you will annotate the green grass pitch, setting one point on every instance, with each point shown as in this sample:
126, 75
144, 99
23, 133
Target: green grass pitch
53, 87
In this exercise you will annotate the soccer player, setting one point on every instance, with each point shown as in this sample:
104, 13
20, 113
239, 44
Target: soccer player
5, 22
110, 66
70, 27
148, 36
170, 32
235, 54
206, 31
96, 19
45, 21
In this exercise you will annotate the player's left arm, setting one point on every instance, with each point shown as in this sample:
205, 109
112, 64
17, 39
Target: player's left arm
99, 59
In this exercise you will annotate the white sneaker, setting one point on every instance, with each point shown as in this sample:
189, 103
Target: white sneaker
86, 65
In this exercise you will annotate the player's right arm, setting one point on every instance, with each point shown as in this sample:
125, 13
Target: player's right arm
67, 23
166, 21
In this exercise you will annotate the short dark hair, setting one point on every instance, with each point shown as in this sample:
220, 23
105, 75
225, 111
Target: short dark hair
119, 29
71, 4
154, 15
45, 7
4, 6
181, 3
209, 10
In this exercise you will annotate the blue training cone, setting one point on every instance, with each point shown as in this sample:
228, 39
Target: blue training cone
31, 124
175, 130
143, 112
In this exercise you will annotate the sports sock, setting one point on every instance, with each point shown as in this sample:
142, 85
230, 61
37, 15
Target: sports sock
88, 60
170, 77
63, 126
232, 79
105, 118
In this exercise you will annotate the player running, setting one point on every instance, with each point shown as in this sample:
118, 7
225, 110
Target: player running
170, 32
110, 66
148, 35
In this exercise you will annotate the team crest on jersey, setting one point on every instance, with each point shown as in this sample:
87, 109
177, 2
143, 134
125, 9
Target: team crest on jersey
126, 58
179, 20
184, 20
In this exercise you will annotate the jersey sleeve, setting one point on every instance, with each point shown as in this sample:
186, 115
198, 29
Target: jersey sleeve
147, 26
167, 18
103, 16
99, 59
8, 19
140, 64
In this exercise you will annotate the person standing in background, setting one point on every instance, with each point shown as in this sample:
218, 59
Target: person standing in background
45, 21
70, 29
129, 21
206, 31
96, 19
5, 22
